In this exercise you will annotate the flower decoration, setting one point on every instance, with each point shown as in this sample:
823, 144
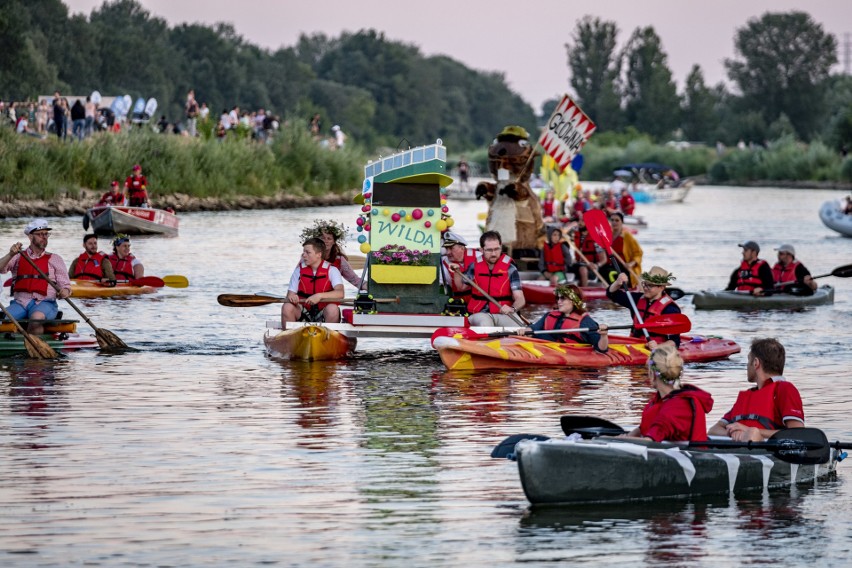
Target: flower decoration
400, 255
320, 226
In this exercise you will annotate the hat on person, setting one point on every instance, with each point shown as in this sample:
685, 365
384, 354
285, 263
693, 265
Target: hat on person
573, 293
750, 245
451, 239
119, 240
137, 167
114, 183
658, 276
37, 225
666, 362
514, 131
787, 248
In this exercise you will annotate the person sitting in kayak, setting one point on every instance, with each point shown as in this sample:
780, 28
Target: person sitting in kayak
458, 257
555, 259
92, 264
332, 233
772, 405
652, 301
676, 412
570, 313
592, 255
313, 281
753, 275
125, 265
790, 275
626, 246
626, 202
137, 188
112, 197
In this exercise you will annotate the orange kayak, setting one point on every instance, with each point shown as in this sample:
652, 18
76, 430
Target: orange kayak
90, 289
309, 343
516, 352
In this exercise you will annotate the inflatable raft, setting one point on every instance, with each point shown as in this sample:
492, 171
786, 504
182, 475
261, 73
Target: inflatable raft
832, 216
729, 300
309, 343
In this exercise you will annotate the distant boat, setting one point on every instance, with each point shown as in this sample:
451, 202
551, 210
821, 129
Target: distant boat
110, 220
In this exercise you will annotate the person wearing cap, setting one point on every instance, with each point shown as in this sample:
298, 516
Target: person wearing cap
458, 257
676, 412
313, 281
652, 301
332, 233
555, 260
790, 275
753, 274
626, 247
497, 275
33, 297
137, 188
115, 196
771, 405
91, 264
339, 137
570, 313
125, 265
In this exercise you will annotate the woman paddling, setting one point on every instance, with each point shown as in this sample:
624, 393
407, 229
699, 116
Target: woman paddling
570, 313
676, 412
331, 233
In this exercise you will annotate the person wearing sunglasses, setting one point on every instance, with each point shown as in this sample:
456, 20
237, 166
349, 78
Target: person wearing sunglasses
790, 275
570, 313
652, 301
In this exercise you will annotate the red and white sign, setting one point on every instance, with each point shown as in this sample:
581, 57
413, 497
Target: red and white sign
565, 132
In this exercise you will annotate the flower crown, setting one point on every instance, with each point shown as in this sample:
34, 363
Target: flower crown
320, 226
568, 292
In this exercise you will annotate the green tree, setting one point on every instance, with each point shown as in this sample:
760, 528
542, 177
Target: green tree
595, 67
650, 94
698, 111
782, 63
25, 70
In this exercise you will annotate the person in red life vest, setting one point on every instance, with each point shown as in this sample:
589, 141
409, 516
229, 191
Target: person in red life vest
626, 202
570, 313
771, 405
626, 247
313, 281
676, 412
137, 188
112, 197
590, 254
753, 275
790, 275
125, 265
555, 260
610, 203
91, 264
652, 301
33, 298
458, 257
498, 276
332, 234
548, 206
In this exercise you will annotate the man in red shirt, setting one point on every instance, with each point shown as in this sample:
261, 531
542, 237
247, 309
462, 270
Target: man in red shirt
137, 188
772, 405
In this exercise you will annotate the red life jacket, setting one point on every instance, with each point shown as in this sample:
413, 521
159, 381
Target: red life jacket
618, 245
89, 267
656, 308
123, 268
554, 257
493, 281
748, 277
586, 246
469, 258
547, 208
310, 283
756, 408
27, 278
558, 320
784, 274
137, 194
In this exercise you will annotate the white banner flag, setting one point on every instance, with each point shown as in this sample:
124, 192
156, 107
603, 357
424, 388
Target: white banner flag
565, 132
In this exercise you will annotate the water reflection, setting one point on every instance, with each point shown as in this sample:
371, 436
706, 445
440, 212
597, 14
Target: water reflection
31, 387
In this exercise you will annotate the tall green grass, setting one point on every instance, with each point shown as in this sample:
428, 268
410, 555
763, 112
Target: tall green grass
783, 160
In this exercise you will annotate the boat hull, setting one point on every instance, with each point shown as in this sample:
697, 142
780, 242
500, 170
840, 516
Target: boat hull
87, 289
725, 300
12, 344
517, 352
611, 470
541, 292
832, 216
131, 221
309, 343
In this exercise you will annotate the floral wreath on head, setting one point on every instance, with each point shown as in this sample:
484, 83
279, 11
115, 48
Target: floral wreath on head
119, 239
658, 279
565, 291
320, 226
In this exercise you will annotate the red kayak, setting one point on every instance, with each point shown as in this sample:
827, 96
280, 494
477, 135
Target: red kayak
541, 292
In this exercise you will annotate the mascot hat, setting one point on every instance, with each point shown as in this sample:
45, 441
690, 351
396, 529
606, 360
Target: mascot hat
514, 131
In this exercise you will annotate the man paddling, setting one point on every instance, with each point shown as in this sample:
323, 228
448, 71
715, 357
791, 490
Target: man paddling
34, 298
652, 301
458, 257
790, 275
313, 281
125, 265
753, 274
772, 405
92, 264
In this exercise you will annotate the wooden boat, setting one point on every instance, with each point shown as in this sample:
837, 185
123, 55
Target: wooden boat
61, 335
109, 220
832, 216
518, 352
90, 289
613, 470
309, 343
541, 292
731, 300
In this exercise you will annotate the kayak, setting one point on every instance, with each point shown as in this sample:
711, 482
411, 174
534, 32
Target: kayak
111, 220
541, 292
61, 335
614, 470
729, 300
518, 352
832, 216
90, 289
309, 343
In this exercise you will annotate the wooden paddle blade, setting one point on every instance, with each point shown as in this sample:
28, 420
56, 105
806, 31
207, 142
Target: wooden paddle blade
37, 348
246, 300
176, 281
599, 228
109, 340
583, 424
667, 324
506, 448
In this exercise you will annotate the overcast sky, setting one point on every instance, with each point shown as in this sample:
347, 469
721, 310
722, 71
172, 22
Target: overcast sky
523, 40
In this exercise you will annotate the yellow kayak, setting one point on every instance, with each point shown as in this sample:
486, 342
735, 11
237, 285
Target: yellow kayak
91, 289
309, 343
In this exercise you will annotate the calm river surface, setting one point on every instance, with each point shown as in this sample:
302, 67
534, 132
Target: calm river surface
199, 450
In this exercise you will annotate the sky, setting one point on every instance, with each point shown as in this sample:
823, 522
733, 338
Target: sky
524, 40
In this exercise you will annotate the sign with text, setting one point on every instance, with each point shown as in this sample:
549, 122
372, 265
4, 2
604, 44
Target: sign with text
565, 132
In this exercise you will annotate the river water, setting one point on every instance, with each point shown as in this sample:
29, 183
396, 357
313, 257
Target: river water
199, 450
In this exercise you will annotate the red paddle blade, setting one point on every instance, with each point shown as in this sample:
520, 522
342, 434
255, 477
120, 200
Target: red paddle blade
153, 281
599, 228
667, 324
463, 332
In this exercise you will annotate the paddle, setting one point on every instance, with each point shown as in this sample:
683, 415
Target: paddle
106, 338
173, 281
37, 348
506, 448
251, 300
589, 426
518, 318
601, 232
176, 281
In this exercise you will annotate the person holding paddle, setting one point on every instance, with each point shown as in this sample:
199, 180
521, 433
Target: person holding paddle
772, 405
458, 257
33, 297
676, 412
313, 281
570, 313
652, 301
331, 233
753, 274
790, 275
125, 265
589, 254
92, 264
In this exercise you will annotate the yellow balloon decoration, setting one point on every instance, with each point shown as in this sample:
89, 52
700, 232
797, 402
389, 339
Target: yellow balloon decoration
450, 221
365, 248
441, 225
409, 217
385, 212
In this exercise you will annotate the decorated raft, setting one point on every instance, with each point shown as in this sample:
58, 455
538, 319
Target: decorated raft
730, 300
61, 335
